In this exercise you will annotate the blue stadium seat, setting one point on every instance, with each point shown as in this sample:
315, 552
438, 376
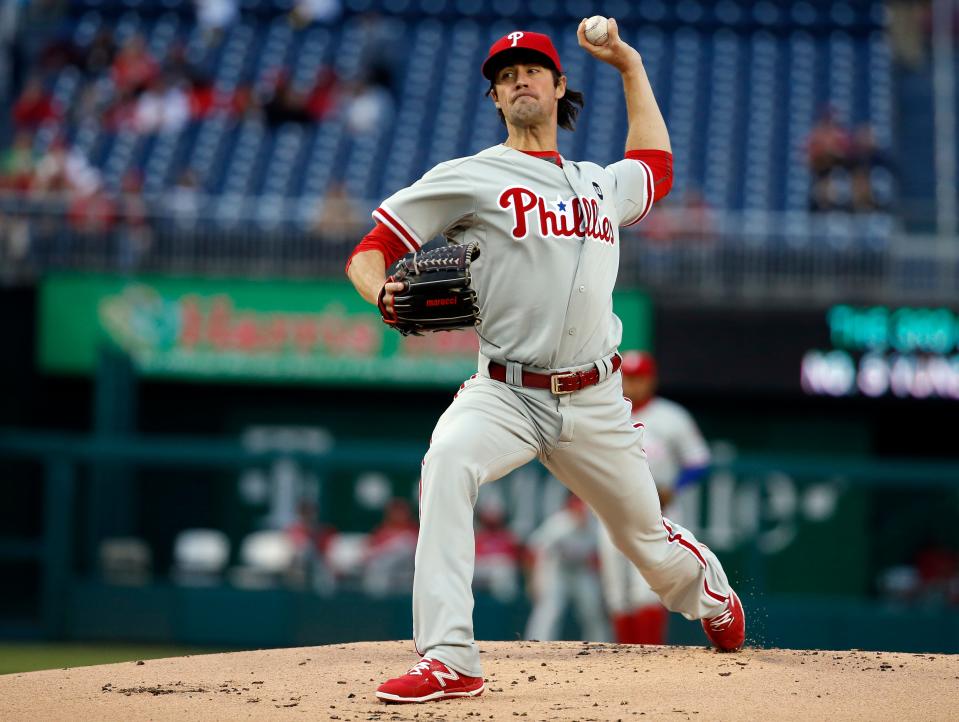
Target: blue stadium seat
741, 84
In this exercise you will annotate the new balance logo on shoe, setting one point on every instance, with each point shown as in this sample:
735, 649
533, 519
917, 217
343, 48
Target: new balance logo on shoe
727, 630
429, 679
441, 677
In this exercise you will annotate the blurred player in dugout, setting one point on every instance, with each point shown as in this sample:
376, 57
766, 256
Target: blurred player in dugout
678, 457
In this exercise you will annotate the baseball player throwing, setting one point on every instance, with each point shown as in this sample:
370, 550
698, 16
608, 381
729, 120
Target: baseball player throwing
547, 386
677, 456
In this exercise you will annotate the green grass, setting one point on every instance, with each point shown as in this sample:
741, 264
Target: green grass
29, 656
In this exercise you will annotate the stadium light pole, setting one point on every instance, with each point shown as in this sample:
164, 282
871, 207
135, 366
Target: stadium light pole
944, 113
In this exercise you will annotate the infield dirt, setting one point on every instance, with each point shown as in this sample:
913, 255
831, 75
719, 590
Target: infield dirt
535, 680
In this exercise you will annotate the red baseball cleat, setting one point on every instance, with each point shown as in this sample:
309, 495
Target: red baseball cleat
727, 631
427, 680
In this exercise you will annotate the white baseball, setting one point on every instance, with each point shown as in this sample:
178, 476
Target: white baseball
597, 30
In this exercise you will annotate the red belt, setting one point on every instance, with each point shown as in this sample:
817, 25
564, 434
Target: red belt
563, 383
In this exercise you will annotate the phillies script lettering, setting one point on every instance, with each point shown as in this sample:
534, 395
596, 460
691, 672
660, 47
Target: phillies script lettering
573, 218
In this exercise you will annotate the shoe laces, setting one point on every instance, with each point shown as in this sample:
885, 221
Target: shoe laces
420, 667
723, 620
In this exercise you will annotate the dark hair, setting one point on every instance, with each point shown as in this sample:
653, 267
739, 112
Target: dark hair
567, 108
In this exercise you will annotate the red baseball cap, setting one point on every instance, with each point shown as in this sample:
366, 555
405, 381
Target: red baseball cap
521, 40
638, 363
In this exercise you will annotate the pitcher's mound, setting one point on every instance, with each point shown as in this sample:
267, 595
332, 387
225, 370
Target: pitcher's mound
536, 680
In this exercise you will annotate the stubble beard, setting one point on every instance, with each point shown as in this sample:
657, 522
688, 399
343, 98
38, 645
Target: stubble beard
526, 114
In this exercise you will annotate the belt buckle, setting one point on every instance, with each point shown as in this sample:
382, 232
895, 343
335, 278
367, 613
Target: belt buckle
555, 380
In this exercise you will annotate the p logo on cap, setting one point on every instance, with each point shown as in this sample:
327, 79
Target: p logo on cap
521, 40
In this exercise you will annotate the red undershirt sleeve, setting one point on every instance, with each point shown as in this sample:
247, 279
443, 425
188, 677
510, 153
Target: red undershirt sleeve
660, 162
380, 239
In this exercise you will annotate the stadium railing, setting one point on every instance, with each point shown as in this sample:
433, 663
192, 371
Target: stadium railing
739, 256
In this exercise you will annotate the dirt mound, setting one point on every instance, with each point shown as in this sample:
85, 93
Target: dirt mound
536, 680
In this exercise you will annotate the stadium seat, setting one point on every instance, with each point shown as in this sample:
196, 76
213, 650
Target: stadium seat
125, 561
740, 83
265, 558
199, 557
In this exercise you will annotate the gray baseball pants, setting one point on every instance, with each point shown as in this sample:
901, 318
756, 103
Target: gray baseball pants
587, 440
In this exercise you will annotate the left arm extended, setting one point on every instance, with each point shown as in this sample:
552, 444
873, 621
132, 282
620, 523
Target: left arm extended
647, 129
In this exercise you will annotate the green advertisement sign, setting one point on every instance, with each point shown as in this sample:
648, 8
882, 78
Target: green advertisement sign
267, 331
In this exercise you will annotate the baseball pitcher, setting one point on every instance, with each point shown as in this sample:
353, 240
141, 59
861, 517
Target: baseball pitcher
542, 239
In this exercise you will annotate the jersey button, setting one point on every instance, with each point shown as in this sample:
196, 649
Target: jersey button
572, 332
582, 289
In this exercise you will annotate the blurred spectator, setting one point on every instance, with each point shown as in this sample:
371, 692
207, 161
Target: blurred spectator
60, 52
89, 106
135, 236
497, 554
242, 103
134, 68
306, 12
122, 112
828, 145
661, 228
697, 221
164, 107
379, 57
828, 153
214, 16
63, 170
564, 570
93, 214
35, 106
179, 68
324, 98
183, 199
288, 104
16, 174
16, 163
99, 55
367, 108
390, 551
687, 219
339, 217
311, 541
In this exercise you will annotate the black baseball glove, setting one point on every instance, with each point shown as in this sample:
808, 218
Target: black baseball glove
436, 294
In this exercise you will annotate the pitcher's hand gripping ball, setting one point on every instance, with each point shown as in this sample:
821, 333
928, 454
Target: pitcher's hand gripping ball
437, 295
597, 30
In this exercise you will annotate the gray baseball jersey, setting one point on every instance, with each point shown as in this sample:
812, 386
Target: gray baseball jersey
528, 214
549, 242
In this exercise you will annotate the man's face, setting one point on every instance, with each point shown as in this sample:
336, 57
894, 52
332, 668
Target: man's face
527, 94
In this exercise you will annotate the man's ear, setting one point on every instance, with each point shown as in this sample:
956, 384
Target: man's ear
561, 87
492, 94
